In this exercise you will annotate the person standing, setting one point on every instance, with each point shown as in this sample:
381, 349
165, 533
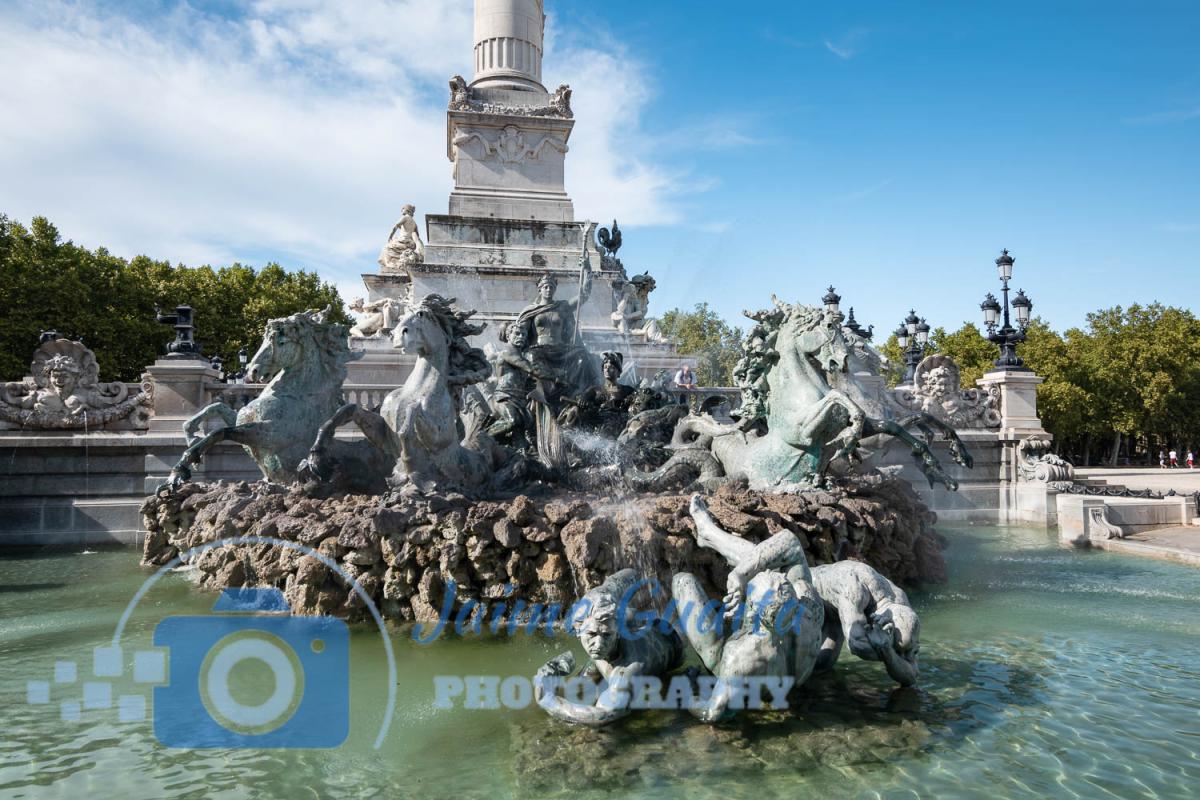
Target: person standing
1191, 460
1174, 458
685, 378
1162, 459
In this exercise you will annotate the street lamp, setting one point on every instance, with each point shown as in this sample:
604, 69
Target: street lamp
1007, 337
832, 301
243, 359
913, 336
853, 327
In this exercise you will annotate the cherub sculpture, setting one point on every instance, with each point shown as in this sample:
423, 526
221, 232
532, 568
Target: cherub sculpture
618, 649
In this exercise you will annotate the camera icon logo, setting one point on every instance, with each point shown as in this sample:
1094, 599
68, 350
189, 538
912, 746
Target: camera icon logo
253, 675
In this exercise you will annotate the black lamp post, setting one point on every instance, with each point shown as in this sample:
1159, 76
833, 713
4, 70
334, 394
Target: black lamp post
832, 301
1007, 337
243, 359
185, 346
913, 336
852, 325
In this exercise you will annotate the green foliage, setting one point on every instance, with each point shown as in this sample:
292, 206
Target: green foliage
110, 302
1133, 372
895, 360
703, 335
973, 353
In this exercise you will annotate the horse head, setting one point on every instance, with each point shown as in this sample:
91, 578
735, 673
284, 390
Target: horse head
436, 332
816, 335
301, 339
420, 334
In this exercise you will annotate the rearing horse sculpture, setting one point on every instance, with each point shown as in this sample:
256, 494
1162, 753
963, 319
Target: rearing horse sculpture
793, 423
304, 357
418, 424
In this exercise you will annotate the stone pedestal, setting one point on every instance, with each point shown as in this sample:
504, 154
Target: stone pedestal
1018, 402
510, 218
381, 364
179, 391
1020, 500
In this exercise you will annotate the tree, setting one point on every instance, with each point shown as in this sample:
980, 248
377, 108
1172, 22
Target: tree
46, 283
973, 353
702, 334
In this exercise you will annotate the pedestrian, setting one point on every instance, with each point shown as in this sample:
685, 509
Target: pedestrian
685, 379
1162, 459
1191, 460
1174, 456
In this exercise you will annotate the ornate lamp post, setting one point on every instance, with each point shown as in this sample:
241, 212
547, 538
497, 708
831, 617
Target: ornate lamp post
853, 326
185, 346
832, 301
913, 336
1007, 337
243, 360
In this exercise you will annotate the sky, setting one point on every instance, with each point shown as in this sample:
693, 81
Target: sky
891, 149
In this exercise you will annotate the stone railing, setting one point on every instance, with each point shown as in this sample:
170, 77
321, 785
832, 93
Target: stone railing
237, 395
695, 398
370, 396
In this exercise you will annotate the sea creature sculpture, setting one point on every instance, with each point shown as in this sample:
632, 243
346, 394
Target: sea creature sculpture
776, 614
619, 650
304, 357
871, 615
417, 424
792, 423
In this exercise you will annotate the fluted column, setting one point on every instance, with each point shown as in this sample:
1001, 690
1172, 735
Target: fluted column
508, 44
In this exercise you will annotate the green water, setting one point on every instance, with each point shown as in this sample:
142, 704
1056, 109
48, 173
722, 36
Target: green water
1046, 672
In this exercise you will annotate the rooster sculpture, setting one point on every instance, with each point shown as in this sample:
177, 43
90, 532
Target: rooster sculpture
610, 241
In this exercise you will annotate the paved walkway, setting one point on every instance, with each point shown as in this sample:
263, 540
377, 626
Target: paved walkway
1173, 544
1182, 480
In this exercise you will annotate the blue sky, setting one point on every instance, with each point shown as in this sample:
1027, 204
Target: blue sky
889, 148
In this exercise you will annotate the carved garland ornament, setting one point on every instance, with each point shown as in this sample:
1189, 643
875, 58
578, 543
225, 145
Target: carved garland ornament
64, 393
937, 391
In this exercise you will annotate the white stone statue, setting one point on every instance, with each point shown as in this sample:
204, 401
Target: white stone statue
460, 94
633, 301
404, 245
937, 391
64, 391
379, 316
871, 616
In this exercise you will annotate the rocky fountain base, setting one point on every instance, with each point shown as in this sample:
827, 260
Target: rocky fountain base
403, 552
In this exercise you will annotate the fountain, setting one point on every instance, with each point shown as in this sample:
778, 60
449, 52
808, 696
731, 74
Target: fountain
429, 500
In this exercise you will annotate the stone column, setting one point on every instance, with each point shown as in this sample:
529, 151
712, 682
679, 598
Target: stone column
179, 391
508, 44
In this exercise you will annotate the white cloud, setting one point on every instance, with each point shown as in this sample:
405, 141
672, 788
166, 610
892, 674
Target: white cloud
848, 46
1165, 117
295, 131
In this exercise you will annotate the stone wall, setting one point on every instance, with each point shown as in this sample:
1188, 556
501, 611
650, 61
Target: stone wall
63, 489
545, 549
